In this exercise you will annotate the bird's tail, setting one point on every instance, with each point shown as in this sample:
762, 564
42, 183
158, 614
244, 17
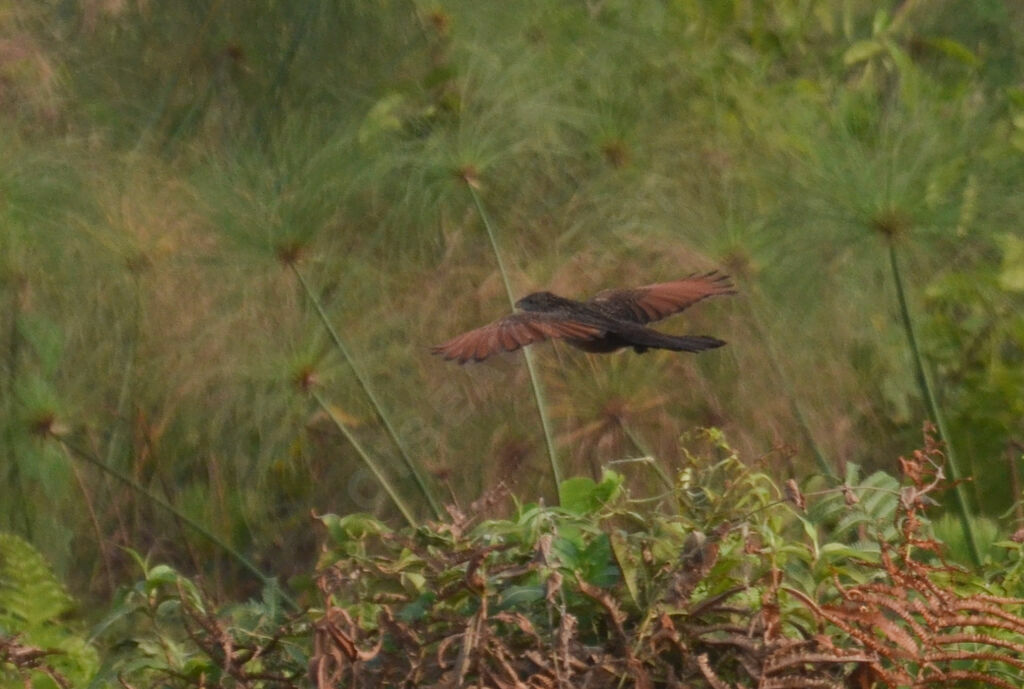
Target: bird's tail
645, 338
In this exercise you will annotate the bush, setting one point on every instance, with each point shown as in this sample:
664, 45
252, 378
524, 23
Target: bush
718, 581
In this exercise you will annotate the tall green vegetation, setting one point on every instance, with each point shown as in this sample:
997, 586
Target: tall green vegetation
229, 236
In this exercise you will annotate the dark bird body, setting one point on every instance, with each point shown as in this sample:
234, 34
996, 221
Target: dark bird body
611, 320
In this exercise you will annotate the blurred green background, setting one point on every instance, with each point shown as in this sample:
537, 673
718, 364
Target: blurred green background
190, 191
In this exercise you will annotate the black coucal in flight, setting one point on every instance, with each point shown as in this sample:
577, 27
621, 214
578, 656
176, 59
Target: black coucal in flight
611, 320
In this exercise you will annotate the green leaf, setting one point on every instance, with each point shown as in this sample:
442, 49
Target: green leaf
628, 560
567, 550
412, 581
904, 65
812, 534
520, 595
953, 49
417, 609
29, 591
880, 22
352, 527
382, 119
609, 487
597, 565
580, 495
33, 604
862, 51
576, 495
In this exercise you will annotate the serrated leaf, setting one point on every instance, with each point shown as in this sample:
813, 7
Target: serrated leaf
28, 588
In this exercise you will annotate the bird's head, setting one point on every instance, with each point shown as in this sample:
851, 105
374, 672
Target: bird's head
539, 301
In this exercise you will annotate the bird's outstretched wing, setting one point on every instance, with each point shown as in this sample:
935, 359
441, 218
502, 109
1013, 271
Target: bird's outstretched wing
660, 300
512, 332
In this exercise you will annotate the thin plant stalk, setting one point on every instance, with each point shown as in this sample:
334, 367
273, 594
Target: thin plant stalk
640, 446
93, 521
1012, 460
71, 449
374, 469
127, 373
963, 511
794, 405
370, 395
538, 392
13, 353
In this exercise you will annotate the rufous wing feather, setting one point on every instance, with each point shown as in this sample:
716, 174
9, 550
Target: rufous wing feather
660, 300
510, 333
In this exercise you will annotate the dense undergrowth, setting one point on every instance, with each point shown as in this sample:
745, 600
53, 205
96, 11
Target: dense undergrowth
229, 236
722, 579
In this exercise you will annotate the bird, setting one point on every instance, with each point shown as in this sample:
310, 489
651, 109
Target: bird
611, 320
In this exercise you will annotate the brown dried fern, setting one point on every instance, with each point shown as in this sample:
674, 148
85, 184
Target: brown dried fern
909, 626
915, 626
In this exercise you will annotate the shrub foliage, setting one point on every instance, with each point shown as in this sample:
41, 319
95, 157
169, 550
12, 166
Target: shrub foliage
721, 580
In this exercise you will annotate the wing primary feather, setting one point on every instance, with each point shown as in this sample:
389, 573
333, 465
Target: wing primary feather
508, 340
660, 300
482, 346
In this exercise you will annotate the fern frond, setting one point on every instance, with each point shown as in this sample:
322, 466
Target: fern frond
30, 593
